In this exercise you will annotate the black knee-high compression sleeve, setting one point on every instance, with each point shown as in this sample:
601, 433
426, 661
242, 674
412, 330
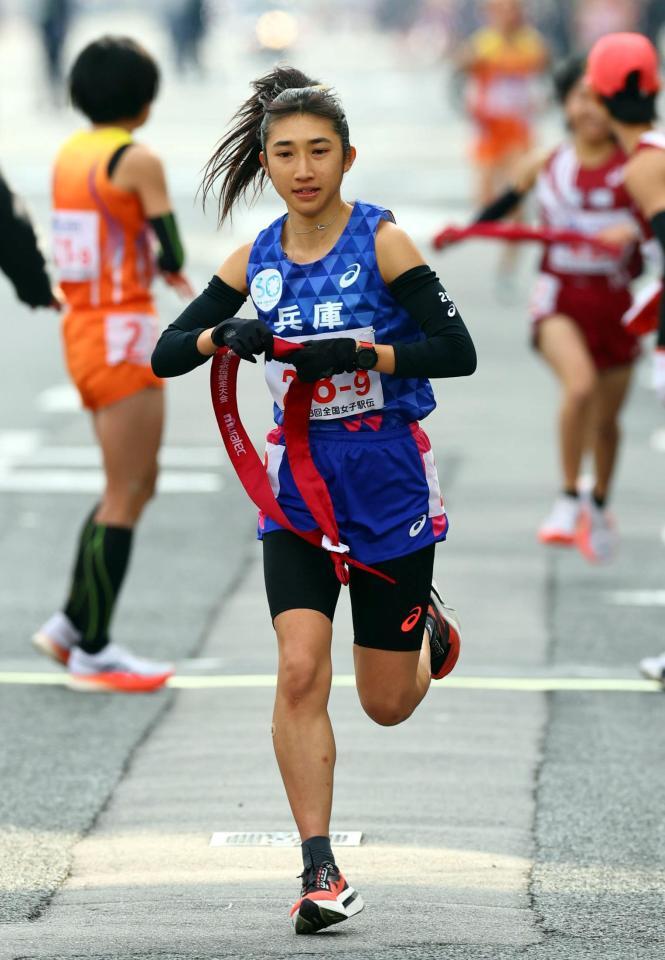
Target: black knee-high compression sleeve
76, 598
102, 564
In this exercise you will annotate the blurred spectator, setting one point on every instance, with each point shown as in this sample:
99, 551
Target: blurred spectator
502, 62
187, 22
594, 18
54, 19
653, 19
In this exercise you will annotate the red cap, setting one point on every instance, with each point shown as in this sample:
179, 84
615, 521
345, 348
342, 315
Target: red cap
615, 56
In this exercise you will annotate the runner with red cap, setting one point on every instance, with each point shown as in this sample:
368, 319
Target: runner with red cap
623, 70
370, 324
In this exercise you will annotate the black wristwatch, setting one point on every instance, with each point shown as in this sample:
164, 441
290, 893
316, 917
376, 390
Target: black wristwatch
366, 356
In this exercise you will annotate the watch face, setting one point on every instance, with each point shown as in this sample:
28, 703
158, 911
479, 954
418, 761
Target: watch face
366, 358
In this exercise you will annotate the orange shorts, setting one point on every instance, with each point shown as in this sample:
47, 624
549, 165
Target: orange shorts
498, 138
108, 352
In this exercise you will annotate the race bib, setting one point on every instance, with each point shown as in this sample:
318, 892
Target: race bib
130, 338
344, 395
76, 244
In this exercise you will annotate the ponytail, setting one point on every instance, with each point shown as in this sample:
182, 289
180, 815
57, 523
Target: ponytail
236, 161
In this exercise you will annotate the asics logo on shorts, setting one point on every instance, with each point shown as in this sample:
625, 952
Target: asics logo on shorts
412, 619
417, 527
350, 276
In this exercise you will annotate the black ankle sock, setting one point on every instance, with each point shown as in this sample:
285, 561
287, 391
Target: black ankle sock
315, 851
571, 492
99, 571
599, 501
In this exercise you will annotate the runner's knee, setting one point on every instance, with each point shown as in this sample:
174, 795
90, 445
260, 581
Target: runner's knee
579, 391
302, 679
387, 709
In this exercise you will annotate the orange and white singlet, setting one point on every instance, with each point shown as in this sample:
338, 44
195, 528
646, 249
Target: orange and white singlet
105, 266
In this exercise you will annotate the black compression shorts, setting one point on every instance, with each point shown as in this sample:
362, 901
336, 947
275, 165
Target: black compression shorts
385, 616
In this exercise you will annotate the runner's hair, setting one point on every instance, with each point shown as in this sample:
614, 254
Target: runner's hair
567, 74
113, 78
630, 105
282, 92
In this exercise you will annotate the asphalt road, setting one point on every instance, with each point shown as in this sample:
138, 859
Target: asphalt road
502, 820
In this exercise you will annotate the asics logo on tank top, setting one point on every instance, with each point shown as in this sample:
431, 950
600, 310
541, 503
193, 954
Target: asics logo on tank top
417, 527
350, 276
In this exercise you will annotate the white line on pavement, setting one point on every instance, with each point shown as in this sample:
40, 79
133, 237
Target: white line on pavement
267, 681
92, 481
61, 398
89, 456
636, 598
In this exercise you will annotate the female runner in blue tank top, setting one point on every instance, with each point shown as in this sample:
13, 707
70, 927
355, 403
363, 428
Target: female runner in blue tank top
376, 324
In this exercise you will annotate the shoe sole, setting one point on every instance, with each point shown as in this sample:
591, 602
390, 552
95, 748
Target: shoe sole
556, 539
49, 648
115, 683
315, 915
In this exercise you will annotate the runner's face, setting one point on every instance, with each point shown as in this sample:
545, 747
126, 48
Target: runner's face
304, 159
586, 115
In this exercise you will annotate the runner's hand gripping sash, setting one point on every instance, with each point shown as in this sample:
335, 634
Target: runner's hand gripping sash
518, 233
251, 471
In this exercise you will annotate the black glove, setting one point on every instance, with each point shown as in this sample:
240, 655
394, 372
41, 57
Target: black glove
319, 359
247, 338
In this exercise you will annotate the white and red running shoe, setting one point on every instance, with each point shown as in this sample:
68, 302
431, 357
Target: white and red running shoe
559, 528
444, 635
326, 898
56, 637
597, 538
115, 670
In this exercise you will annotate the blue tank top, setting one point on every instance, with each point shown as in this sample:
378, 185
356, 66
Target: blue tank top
341, 293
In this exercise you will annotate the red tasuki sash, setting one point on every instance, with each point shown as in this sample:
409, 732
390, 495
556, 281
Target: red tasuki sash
251, 471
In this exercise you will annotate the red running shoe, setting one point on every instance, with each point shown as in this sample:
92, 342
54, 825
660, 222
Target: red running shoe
444, 635
326, 898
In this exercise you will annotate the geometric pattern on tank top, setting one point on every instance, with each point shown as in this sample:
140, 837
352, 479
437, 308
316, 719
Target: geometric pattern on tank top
339, 293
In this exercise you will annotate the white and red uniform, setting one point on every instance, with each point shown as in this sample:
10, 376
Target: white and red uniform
587, 285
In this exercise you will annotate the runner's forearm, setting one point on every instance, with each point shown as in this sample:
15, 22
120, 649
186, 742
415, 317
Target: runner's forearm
658, 226
20, 257
447, 350
177, 349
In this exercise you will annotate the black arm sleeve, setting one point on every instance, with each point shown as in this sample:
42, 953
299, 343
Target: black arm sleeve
501, 207
448, 349
20, 256
658, 227
171, 256
176, 351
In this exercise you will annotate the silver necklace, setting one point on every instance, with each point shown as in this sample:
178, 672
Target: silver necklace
319, 226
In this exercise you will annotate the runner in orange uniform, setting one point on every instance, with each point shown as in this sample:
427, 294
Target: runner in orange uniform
502, 60
107, 192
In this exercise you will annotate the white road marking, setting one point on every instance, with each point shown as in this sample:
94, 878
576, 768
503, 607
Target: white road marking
90, 456
26, 466
61, 398
279, 838
637, 598
92, 481
268, 681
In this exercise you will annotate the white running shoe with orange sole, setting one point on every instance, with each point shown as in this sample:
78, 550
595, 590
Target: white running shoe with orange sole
56, 637
597, 538
559, 529
115, 670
